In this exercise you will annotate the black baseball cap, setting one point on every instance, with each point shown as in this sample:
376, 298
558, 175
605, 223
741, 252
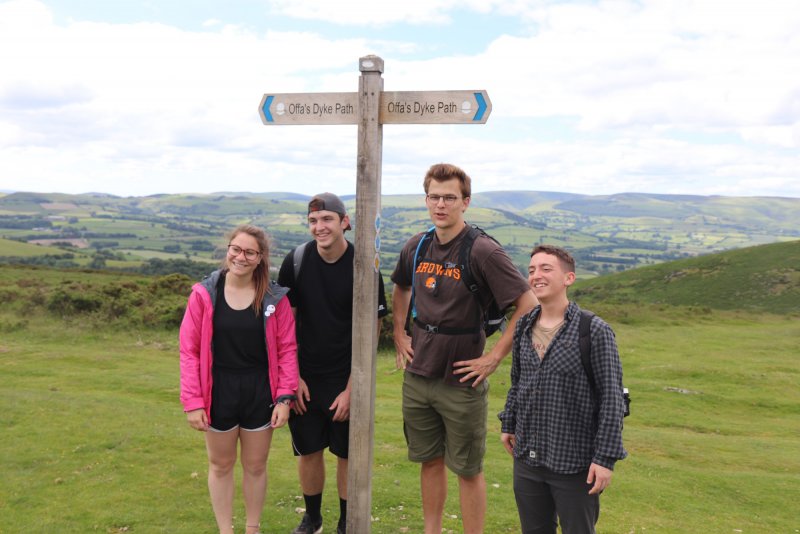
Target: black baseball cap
327, 202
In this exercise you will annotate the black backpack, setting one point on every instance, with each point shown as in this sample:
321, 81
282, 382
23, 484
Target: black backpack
585, 341
297, 258
493, 318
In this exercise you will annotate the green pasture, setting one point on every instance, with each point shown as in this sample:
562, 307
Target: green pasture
414, 216
157, 245
94, 439
288, 221
129, 226
13, 233
227, 207
147, 254
9, 247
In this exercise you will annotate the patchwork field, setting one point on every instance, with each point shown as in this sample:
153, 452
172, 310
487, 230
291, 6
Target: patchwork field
607, 234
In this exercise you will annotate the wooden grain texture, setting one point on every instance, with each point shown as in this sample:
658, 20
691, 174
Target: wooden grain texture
365, 297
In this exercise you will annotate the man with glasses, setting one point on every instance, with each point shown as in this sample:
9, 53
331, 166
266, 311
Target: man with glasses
321, 294
445, 392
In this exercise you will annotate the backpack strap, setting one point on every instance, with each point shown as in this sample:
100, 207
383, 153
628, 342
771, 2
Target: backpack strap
463, 258
585, 341
422, 247
473, 232
297, 258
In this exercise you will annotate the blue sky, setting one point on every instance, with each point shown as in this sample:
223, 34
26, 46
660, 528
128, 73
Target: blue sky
598, 97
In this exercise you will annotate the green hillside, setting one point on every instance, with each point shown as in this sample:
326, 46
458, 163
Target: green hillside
94, 438
762, 278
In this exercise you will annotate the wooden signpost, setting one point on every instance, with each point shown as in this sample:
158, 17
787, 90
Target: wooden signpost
370, 108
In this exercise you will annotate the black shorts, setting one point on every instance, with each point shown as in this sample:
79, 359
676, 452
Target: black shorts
315, 429
240, 399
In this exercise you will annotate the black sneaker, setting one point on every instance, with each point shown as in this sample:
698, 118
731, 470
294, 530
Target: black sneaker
307, 526
341, 528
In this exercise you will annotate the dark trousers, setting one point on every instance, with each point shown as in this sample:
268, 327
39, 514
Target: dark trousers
545, 499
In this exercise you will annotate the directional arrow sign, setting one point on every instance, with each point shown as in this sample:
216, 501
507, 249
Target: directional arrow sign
309, 108
396, 107
435, 107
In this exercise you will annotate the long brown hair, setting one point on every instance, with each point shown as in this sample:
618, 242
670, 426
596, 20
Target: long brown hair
261, 272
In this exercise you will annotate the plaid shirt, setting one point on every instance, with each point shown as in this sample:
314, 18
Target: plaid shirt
557, 421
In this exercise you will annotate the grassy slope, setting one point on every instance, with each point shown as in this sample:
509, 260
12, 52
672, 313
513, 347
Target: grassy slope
764, 278
94, 439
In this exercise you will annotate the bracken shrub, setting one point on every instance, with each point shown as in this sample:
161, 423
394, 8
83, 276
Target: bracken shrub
385, 338
164, 314
172, 284
8, 295
74, 299
12, 325
158, 303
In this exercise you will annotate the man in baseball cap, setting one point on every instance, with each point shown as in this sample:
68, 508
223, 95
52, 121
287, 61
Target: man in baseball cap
319, 275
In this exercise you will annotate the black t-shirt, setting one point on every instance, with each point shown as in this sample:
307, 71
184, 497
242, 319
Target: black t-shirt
239, 341
323, 298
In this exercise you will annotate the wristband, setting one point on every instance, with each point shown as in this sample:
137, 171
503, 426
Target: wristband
285, 399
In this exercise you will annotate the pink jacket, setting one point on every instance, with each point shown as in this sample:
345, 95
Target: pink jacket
197, 355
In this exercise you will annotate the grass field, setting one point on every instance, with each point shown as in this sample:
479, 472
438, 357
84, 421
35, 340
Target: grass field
10, 247
94, 439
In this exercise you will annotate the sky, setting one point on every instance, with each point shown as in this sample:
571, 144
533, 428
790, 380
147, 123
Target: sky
594, 97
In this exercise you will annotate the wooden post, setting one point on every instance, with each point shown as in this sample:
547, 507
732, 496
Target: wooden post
370, 108
365, 296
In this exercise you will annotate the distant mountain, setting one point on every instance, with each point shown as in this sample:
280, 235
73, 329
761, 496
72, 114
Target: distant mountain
521, 200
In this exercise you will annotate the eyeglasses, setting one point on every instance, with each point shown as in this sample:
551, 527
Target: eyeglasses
449, 200
250, 254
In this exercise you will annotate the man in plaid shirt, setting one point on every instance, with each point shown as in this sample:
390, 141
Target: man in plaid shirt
564, 435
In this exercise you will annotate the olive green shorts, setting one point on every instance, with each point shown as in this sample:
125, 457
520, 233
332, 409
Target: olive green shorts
441, 420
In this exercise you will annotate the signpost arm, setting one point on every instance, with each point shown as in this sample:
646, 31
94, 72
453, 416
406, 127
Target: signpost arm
365, 296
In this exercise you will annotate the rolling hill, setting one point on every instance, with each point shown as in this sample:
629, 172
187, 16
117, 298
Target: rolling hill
763, 278
609, 233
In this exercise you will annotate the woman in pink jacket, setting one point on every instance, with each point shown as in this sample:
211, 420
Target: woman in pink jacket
238, 371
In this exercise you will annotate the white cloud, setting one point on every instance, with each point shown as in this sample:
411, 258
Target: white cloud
368, 12
664, 96
618, 64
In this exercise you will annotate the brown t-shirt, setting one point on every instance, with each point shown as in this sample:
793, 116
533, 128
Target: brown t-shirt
443, 300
